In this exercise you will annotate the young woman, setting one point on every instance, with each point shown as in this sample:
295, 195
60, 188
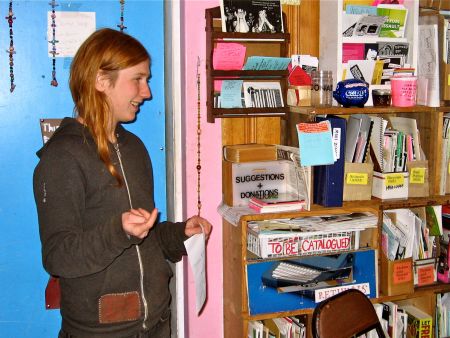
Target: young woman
93, 188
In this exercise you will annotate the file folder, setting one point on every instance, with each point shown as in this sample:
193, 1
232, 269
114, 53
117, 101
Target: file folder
329, 179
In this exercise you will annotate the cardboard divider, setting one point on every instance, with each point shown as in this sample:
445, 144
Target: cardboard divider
396, 276
425, 271
390, 185
418, 183
358, 178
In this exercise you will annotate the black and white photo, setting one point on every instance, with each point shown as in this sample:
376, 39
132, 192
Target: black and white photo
257, 16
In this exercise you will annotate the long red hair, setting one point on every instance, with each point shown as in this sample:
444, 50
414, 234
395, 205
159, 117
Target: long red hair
105, 52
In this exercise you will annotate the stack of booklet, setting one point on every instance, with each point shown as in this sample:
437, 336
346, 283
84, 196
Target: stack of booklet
278, 204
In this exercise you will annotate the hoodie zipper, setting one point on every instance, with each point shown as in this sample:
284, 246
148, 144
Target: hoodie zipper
141, 266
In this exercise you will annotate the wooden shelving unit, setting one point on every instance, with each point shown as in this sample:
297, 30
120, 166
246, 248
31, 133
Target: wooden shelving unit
260, 44
246, 127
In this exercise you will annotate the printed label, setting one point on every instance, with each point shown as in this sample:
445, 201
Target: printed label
402, 272
394, 180
357, 178
425, 275
417, 175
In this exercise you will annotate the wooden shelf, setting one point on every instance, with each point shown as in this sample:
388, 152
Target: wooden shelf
366, 110
249, 74
247, 112
418, 292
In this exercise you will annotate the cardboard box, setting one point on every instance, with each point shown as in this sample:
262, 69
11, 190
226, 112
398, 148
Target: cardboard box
262, 179
390, 185
396, 277
299, 96
250, 152
425, 271
418, 183
358, 179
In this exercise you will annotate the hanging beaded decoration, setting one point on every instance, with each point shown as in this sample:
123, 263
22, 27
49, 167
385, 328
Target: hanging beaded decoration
11, 50
53, 42
199, 131
122, 7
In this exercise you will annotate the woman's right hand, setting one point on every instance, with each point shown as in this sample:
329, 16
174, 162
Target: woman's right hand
138, 222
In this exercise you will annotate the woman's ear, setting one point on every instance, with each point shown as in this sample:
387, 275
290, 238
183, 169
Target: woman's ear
101, 82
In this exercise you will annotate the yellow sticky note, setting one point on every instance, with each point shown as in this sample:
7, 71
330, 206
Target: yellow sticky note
448, 80
417, 175
357, 178
448, 169
394, 180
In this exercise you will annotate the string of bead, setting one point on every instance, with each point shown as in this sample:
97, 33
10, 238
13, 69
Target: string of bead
122, 8
53, 42
199, 131
11, 49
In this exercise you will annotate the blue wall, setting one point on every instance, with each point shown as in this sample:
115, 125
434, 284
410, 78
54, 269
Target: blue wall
22, 278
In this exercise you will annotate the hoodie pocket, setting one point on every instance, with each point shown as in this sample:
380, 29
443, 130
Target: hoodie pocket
119, 307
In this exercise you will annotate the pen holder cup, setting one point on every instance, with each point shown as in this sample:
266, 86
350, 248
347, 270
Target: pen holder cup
403, 91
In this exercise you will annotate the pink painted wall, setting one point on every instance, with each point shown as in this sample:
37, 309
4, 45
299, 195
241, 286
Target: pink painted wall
210, 322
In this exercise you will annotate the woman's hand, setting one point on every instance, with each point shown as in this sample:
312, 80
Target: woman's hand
194, 226
138, 222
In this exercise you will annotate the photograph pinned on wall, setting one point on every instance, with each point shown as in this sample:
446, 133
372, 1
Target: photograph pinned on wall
251, 16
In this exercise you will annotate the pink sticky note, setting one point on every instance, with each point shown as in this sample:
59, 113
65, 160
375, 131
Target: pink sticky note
228, 56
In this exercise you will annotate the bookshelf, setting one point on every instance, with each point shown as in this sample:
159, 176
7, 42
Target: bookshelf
331, 40
244, 127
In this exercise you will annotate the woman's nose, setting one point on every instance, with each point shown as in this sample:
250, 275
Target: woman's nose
146, 92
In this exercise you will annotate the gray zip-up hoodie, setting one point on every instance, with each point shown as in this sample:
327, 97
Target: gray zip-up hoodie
111, 285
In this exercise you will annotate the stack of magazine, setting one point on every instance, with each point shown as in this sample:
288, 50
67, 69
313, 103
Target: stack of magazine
280, 203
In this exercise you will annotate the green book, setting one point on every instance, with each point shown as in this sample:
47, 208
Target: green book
434, 219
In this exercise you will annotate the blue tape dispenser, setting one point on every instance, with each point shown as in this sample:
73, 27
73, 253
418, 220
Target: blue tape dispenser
352, 92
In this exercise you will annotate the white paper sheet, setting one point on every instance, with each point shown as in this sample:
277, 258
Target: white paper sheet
72, 28
195, 247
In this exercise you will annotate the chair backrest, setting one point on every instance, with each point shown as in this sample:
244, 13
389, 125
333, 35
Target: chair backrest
345, 315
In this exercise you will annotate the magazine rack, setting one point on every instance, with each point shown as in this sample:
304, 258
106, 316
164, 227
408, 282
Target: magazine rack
259, 44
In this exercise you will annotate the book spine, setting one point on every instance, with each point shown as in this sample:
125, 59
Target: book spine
254, 207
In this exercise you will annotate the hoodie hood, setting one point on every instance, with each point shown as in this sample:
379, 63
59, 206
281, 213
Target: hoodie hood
70, 127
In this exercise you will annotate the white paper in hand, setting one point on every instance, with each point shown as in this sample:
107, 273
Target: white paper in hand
195, 247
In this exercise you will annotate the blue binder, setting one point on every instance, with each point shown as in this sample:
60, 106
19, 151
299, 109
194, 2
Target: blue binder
329, 179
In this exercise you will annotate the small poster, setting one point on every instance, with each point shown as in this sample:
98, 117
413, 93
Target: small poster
251, 16
72, 28
48, 127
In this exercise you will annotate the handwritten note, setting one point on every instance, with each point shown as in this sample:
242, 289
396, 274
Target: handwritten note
228, 56
230, 95
266, 63
315, 143
73, 28
195, 248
